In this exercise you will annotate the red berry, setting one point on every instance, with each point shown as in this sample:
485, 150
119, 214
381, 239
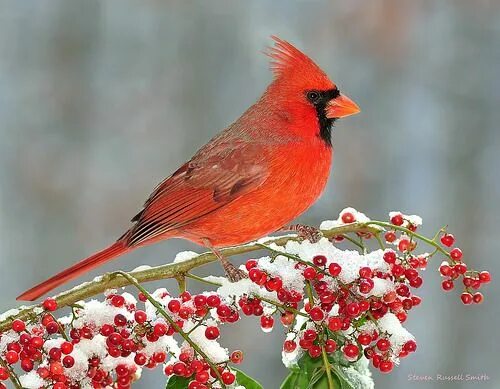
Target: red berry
309, 273
251, 263
179, 368
390, 257
36, 342
160, 329
314, 351
117, 300
460, 268
50, 304
174, 306
266, 323
228, 377
274, 284
365, 272
466, 298
334, 269
287, 318
316, 314
319, 260
410, 346
334, 324
66, 347
185, 296
4, 374
456, 254
68, 361
348, 217
484, 277
448, 240
310, 334
478, 298
390, 236
213, 301
212, 333
18, 325
27, 365
386, 366
397, 219
383, 344
289, 346
351, 351
236, 357
445, 270
202, 376
416, 282
352, 309
120, 320
330, 346
11, 357
447, 285
140, 317
364, 339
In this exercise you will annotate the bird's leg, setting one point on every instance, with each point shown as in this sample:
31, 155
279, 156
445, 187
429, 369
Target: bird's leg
310, 233
233, 274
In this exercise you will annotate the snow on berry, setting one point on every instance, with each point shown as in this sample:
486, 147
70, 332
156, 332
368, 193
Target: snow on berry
346, 216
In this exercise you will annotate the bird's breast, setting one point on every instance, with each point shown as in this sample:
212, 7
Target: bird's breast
297, 176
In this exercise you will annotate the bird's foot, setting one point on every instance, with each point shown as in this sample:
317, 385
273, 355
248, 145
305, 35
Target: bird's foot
310, 233
233, 274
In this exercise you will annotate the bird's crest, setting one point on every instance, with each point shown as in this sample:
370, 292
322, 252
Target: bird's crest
287, 60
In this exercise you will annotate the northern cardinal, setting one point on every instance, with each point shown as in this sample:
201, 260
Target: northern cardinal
250, 180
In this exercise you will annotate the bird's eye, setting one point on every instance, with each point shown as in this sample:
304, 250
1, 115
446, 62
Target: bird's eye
313, 96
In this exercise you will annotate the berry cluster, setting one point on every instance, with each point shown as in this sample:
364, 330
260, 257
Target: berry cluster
106, 344
341, 305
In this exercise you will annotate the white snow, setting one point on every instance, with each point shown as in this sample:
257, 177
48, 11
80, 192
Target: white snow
214, 351
398, 335
408, 219
284, 268
165, 344
360, 217
184, 256
32, 380
231, 291
349, 260
359, 374
96, 313
141, 268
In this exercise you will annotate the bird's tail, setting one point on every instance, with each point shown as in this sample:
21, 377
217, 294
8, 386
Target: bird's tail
74, 271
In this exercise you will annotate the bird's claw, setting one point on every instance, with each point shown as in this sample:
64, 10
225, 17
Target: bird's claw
233, 274
310, 233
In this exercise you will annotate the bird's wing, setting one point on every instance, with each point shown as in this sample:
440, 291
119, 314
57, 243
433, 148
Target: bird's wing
215, 176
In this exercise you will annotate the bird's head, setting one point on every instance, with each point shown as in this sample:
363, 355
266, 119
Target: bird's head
309, 97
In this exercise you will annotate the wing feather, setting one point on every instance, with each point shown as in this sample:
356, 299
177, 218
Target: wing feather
214, 177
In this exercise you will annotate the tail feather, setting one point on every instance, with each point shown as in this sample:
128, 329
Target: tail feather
74, 271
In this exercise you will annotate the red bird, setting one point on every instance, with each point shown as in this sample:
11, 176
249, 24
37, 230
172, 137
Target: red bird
252, 179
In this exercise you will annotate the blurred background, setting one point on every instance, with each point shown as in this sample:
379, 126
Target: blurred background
99, 100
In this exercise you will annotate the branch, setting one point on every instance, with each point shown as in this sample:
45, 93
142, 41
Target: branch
173, 270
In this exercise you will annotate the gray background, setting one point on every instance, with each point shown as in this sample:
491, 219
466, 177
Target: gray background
100, 100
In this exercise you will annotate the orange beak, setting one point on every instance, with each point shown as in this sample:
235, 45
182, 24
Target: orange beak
341, 107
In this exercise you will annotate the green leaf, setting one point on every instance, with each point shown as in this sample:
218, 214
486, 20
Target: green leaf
175, 382
246, 381
311, 374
